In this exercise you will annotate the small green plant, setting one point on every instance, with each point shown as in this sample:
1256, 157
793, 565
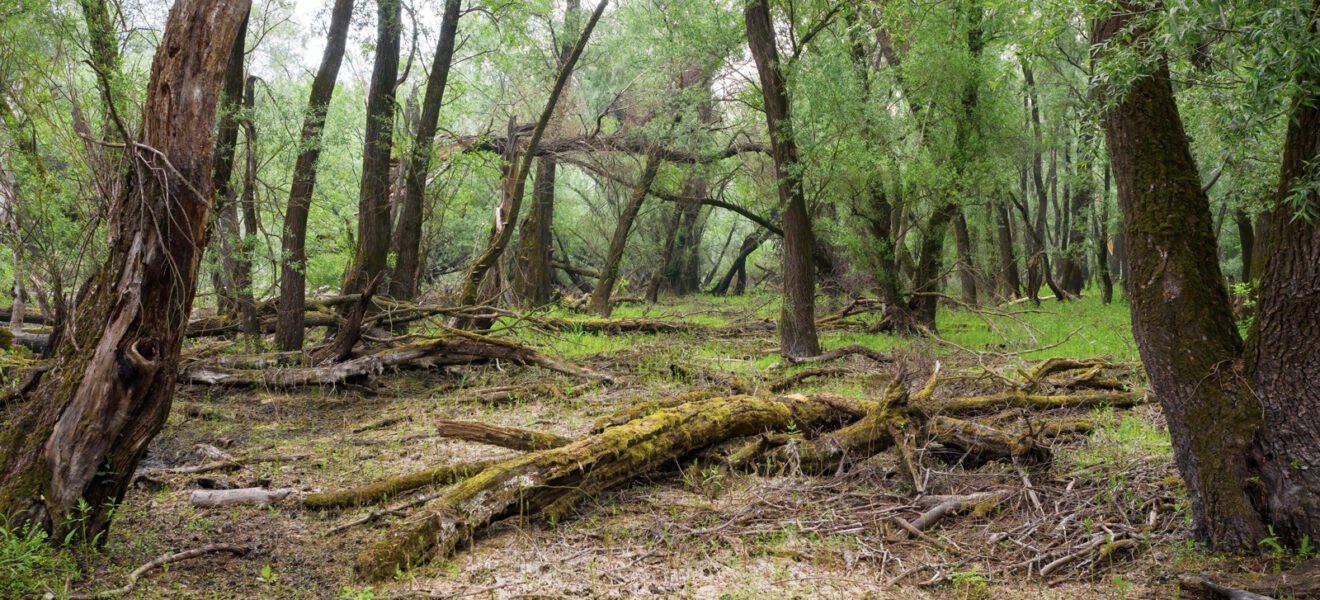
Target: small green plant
28, 564
970, 584
1120, 586
267, 575
348, 593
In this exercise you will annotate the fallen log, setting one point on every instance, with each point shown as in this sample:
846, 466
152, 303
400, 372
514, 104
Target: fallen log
838, 353
550, 482
984, 443
504, 437
382, 490
1022, 399
464, 348
258, 496
616, 326
980, 503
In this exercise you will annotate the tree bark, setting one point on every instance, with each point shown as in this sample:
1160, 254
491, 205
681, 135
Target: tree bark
293, 235
966, 271
1247, 238
408, 264
373, 230
1010, 279
111, 388
516, 183
1242, 423
797, 320
600, 297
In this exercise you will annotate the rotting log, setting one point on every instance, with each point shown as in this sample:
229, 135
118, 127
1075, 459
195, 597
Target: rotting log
984, 443
258, 496
642, 409
388, 488
504, 437
551, 481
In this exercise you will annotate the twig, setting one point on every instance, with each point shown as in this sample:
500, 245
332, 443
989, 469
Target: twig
160, 562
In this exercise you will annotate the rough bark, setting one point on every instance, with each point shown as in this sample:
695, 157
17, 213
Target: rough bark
408, 264
797, 318
1245, 467
1247, 238
114, 380
600, 296
966, 270
293, 236
1010, 279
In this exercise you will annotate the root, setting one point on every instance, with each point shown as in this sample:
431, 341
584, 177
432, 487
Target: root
504, 437
838, 353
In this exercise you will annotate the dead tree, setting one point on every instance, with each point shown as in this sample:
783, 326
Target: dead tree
111, 388
516, 183
600, 296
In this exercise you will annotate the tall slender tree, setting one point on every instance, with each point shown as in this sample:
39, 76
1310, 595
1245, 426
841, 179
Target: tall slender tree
293, 235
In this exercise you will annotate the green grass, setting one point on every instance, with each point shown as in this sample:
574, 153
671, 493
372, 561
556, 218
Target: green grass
1122, 441
1100, 330
29, 565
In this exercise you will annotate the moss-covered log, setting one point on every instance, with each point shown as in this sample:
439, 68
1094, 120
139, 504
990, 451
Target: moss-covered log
388, 488
616, 326
553, 480
504, 437
1022, 399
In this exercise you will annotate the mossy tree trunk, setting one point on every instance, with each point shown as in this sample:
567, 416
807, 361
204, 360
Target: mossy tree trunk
797, 318
1242, 417
110, 390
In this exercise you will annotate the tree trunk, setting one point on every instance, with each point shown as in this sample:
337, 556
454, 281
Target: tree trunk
1242, 425
600, 297
1074, 275
408, 264
516, 183
1037, 251
226, 212
1247, 239
293, 236
110, 390
247, 302
532, 271
797, 320
1102, 241
739, 266
966, 271
1010, 280
373, 230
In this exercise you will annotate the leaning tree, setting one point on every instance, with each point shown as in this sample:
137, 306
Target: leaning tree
1243, 414
67, 457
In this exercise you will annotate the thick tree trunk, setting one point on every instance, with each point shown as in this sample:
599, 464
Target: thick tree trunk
408, 264
1244, 442
226, 212
1283, 354
516, 183
1102, 241
1074, 274
243, 280
1247, 239
600, 297
293, 236
110, 390
797, 318
1037, 249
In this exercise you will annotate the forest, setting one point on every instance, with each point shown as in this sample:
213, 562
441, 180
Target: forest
374, 299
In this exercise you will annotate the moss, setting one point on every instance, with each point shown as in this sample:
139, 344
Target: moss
390, 487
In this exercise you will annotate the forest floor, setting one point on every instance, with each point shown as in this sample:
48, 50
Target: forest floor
686, 531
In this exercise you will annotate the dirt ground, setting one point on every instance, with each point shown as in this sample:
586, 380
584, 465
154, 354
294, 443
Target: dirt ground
684, 531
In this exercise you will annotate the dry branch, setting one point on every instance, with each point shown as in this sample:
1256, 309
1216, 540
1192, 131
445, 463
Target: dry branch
258, 496
158, 563
394, 486
504, 437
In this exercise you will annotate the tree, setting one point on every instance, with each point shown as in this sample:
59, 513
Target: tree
373, 230
516, 183
797, 317
293, 235
79, 439
408, 265
1242, 415
600, 296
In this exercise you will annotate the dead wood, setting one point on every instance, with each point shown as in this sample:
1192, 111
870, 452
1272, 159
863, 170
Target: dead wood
642, 409
1302, 581
460, 348
258, 496
838, 353
1022, 399
550, 482
980, 504
784, 384
504, 437
381, 490
159, 562
616, 326
984, 443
